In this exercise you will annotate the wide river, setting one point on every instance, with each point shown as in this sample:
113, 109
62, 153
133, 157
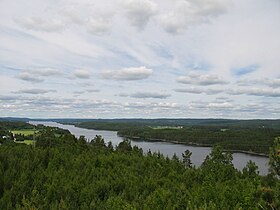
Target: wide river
168, 149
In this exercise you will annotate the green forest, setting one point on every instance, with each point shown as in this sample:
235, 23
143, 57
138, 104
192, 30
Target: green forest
64, 172
257, 140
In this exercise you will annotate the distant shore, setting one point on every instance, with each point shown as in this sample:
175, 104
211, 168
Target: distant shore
178, 142
193, 144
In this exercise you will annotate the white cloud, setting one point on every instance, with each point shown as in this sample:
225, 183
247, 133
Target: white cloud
195, 90
146, 95
123, 95
93, 90
139, 12
129, 74
8, 98
201, 79
212, 106
29, 77
189, 90
98, 26
275, 83
224, 105
82, 74
211, 7
35, 91
41, 24
169, 105
266, 92
37, 75
73, 14
46, 72
187, 13
78, 92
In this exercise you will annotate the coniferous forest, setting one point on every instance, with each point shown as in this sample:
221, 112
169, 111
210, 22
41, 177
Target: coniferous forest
236, 135
63, 172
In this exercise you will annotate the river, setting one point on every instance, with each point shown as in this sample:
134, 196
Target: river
168, 149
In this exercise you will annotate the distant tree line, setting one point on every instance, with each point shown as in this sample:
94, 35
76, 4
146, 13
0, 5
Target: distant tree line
254, 139
251, 135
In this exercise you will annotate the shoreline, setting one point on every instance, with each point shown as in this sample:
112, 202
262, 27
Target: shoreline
195, 145
183, 143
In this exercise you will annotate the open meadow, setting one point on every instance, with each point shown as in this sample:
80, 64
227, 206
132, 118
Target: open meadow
25, 132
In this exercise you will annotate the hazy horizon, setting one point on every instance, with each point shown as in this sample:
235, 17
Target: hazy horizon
146, 59
132, 118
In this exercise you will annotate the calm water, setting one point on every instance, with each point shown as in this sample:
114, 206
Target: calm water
168, 149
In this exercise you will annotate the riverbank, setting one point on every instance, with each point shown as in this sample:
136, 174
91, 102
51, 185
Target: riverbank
243, 137
137, 138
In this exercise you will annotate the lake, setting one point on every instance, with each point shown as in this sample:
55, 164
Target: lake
168, 149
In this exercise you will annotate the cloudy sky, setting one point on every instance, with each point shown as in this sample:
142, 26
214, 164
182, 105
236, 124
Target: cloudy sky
140, 58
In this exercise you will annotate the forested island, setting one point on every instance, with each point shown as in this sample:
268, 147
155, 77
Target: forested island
61, 171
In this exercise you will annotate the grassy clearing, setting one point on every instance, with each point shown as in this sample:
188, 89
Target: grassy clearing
28, 142
25, 132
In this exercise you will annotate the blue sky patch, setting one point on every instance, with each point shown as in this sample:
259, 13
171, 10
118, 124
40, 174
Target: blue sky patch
245, 70
162, 51
198, 66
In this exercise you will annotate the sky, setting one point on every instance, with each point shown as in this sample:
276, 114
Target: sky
140, 59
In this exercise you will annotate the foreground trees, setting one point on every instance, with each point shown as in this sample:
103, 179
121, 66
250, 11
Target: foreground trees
187, 158
63, 172
275, 157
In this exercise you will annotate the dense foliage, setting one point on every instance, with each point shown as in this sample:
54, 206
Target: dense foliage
108, 124
112, 126
63, 172
242, 135
274, 157
159, 122
247, 139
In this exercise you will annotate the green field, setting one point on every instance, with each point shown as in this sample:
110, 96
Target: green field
24, 132
28, 142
